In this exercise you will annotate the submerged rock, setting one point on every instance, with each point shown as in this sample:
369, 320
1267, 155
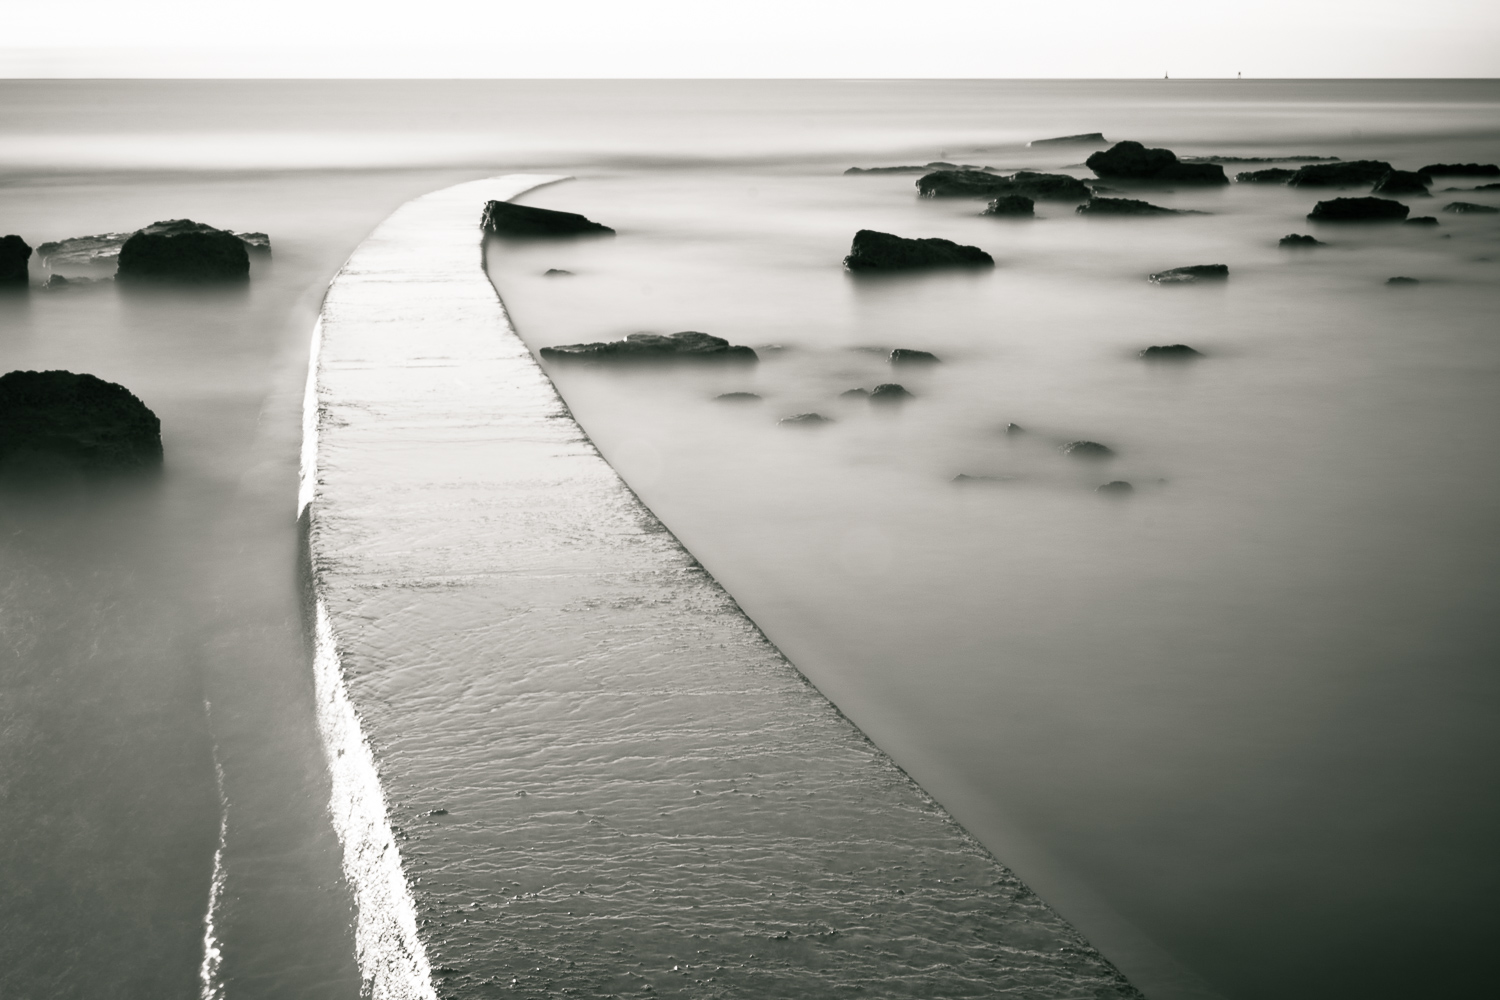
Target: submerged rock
15, 253
805, 420
889, 392
1117, 488
506, 219
1190, 274
1011, 204
908, 355
1132, 161
1402, 182
1344, 174
1462, 170
183, 250
1293, 240
1469, 208
58, 419
1402, 280
1082, 139
690, 344
556, 272
1358, 210
874, 251
1087, 449
1171, 352
1422, 220
1273, 175
1123, 206
738, 397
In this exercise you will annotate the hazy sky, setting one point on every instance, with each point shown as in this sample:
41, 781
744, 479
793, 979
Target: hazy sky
759, 38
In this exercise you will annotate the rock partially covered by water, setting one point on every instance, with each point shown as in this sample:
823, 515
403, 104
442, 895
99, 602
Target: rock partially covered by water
1123, 206
977, 184
506, 219
1462, 170
1190, 274
1050, 187
1421, 220
1293, 240
1117, 488
908, 355
738, 397
1346, 174
1132, 161
1011, 204
183, 250
15, 253
1403, 182
1402, 280
103, 249
805, 420
1469, 208
690, 344
874, 251
889, 392
1171, 352
1087, 449
1081, 139
1272, 175
56, 419
1359, 210
938, 165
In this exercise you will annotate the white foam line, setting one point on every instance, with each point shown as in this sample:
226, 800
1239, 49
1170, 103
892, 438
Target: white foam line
211, 985
307, 480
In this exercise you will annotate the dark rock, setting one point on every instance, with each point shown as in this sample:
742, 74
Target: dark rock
962, 184
1014, 429
1422, 220
437, 812
256, 242
889, 392
14, 255
690, 344
556, 272
907, 355
103, 249
1123, 206
1488, 187
1171, 352
738, 397
1402, 182
506, 219
1117, 488
855, 394
183, 250
805, 420
873, 251
1293, 240
1258, 159
908, 169
56, 418
1087, 449
1347, 174
1469, 208
1274, 175
1358, 210
1082, 139
1402, 281
1011, 204
1050, 187
1133, 161
1190, 274
1462, 170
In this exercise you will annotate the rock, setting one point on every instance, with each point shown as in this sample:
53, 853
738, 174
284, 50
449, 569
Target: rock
1011, 204
804, 420
1469, 208
907, 355
1014, 429
1293, 240
1346, 174
1462, 170
1082, 139
873, 251
15, 253
183, 250
1402, 281
1488, 187
506, 219
556, 272
58, 419
256, 242
1258, 159
964, 477
690, 344
855, 394
738, 397
1358, 210
1123, 206
1133, 161
1190, 274
1050, 187
1402, 182
1117, 488
1422, 220
1087, 449
908, 169
1273, 175
889, 392
1171, 352
962, 184
104, 248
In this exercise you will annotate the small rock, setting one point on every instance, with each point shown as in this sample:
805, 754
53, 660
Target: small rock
805, 420
437, 812
556, 272
1116, 488
255, 242
889, 392
1462, 170
738, 397
1170, 352
1469, 208
1401, 280
1087, 449
1358, 210
15, 253
1293, 240
1422, 220
1082, 139
854, 394
1403, 182
58, 418
1190, 274
690, 344
1050, 187
964, 477
1123, 206
506, 219
1133, 161
1011, 204
908, 355
1344, 174
874, 251
1272, 175
1014, 429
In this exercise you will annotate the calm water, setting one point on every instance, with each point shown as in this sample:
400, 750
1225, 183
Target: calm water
1239, 728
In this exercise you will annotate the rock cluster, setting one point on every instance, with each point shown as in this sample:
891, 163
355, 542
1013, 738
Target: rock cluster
689, 344
1123, 206
1403, 182
58, 419
183, 250
1133, 161
1344, 174
978, 184
506, 219
875, 251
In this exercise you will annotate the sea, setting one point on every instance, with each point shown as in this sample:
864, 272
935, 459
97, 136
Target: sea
1237, 726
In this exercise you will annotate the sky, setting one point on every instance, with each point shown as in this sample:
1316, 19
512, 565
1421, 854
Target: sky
759, 38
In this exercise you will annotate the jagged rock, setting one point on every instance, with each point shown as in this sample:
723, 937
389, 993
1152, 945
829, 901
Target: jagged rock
908, 355
1132, 161
805, 420
874, 251
1170, 352
506, 219
738, 397
1345, 174
1190, 274
1274, 175
1402, 182
1293, 240
1358, 210
15, 253
1011, 204
1422, 220
1469, 208
1123, 206
1117, 488
556, 272
1402, 280
1082, 139
889, 392
1087, 449
690, 344
57, 419
183, 250
1462, 170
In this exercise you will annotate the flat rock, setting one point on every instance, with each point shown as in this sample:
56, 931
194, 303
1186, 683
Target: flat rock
1469, 208
504, 218
556, 272
1422, 220
1344, 174
1258, 159
1190, 274
939, 165
183, 250
875, 251
1123, 206
1402, 280
15, 253
1462, 170
1403, 182
1012, 205
1117, 488
738, 397
58, 419
1358, 210
1082, 139
1273, 175
1050, 187
978, 184
908, 355
1087, 449
1294, 240
1170, 352
689, 344
805, 420
1132, 161
889, 392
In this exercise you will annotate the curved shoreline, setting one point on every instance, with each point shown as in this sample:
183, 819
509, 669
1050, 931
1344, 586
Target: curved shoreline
470, 553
